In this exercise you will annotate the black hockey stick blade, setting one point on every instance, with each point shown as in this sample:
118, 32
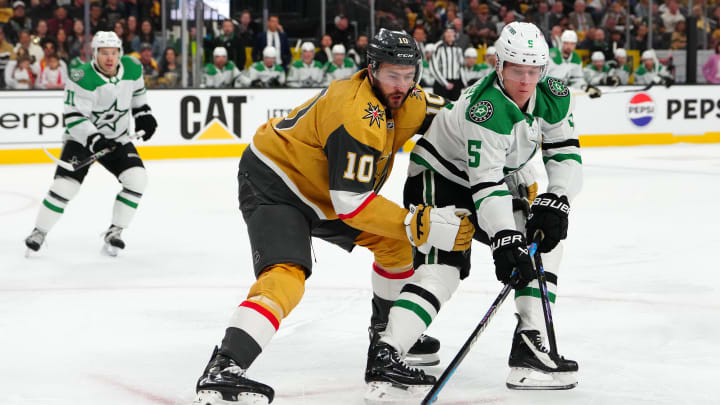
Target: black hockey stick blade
465, 349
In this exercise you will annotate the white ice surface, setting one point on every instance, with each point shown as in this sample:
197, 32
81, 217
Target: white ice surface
638, 306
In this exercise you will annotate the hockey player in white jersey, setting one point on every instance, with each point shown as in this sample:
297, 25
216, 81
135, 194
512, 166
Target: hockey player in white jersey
472, 71
651, 70
565, 64
474, 157
427, 77
619, 67
596, 73
222, 73
340, 67
306, 72
265, 73
100, 100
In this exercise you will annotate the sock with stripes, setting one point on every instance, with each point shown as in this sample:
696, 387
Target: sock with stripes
62, 190
386, 288
133, 181
419, 303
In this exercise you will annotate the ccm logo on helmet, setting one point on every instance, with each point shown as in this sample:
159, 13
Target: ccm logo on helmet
405, 55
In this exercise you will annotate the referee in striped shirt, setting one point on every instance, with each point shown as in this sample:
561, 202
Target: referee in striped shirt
445, 66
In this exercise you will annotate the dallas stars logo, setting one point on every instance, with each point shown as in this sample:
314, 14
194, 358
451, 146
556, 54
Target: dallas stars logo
557, 87
375, 114
109, 117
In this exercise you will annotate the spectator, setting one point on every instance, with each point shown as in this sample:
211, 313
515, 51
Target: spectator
481, 30
325, 54
711, 68
131, 33
170, 69
119, 29
671, 16
432, 21
6, 53
428, 80
555, 35
617, 40
53, 76
275, 38
247, 29
266, 73
642, 10
596, 8
221, 73
18, 23
307, 72
231, 42
147, 36
589, 38
340, 32
507, 18
419, 35
59, 21
20, 75
40, 32
76, 11
340, 67
702, 25
600, 44
471, 12
445, 65
149, 65
97, 21
613, 17
579, 19
34, 51
49, 47
462, 40
557, 16
541, 18
41, 10
62, 45
114, 12
359, 53
76, 39
679, 36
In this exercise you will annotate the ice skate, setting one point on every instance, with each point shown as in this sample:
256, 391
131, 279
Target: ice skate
223, 383
532, 367
113, 241
34, 241
391, 380
422, 354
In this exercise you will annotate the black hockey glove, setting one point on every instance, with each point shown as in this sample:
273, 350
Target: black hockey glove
549, 214
510, 252
146, 123
613, 81
593, 91
97, 142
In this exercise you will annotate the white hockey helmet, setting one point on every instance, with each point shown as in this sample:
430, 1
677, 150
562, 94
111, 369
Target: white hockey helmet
491, 51
430, 48
307, 46
471, 53
105, 39
523, 44
649, 54
620, 53
597, 56
220, 51
338, 49
569, 36
269, 52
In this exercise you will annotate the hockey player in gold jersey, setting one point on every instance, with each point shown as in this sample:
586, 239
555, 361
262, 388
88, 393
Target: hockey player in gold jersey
318, 173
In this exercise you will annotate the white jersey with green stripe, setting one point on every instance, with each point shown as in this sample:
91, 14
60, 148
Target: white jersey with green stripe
596, 76
568, 69
95, 103
484, 137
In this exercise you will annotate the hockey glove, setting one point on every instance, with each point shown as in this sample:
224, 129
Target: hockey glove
97, 142
613, 81
447, 228
146, 123
593, 91
549, 214
510, 253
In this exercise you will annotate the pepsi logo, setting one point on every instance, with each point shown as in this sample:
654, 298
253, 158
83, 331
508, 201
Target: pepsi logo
641, 109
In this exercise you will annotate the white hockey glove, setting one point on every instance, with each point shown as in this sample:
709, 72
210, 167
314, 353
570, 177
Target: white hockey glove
447, 228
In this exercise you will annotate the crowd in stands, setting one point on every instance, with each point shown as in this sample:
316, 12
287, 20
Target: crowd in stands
42, 40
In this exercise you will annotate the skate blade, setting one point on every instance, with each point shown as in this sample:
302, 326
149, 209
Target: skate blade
109, 250
383, 393
206, 397
530, 379
422, 360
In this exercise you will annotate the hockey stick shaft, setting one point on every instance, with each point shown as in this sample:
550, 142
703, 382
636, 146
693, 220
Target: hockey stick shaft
465, 349
90, 159
544, 299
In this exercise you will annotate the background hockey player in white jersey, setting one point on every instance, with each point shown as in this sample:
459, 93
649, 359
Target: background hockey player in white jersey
100, 100
474, 156
427, 77
619, 67
472, 71
265, 73
651, 70
306, 72
596, 72
565, 64
340, 67
222, 73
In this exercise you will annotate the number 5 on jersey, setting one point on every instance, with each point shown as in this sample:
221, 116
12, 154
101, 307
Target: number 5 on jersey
362, 169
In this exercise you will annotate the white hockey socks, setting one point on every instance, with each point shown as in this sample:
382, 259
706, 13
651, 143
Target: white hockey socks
133, 181
62, 190
419, 303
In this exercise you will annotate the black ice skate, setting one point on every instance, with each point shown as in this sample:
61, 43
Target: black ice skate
224, 383
34, 241
390, 379
423, 353
113, 241
532, 367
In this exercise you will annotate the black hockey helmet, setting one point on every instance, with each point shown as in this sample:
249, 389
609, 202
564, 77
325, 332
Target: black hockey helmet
394, 47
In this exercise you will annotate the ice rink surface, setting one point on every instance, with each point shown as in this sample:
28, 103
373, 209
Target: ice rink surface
638, 305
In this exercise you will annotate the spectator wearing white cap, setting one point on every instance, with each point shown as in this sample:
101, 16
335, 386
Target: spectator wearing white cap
340, 67
472, 71
619, 67
565, 64
266, 73
306, 72
596, 72
651, 71
428, 80
221, 73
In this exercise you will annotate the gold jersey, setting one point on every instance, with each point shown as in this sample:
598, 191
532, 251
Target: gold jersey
336, 150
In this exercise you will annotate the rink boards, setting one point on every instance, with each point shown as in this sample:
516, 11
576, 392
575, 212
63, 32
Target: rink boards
200, 123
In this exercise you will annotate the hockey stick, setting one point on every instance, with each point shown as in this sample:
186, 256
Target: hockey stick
465, 349
90, 159
617, 90
542, 284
